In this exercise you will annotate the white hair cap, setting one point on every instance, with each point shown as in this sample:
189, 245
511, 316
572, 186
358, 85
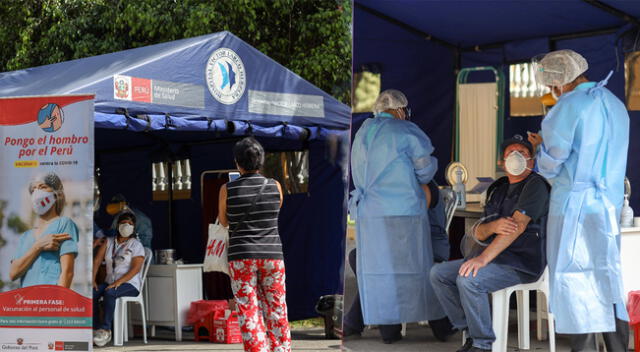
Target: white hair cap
558, 68
390, 99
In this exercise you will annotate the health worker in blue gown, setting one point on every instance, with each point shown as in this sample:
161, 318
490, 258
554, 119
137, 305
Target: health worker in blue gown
391, 165
582, 151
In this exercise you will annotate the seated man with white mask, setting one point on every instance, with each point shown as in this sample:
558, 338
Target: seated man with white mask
511, 242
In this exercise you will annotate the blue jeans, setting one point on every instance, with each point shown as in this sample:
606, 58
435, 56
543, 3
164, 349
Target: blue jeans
466, 299
109, 301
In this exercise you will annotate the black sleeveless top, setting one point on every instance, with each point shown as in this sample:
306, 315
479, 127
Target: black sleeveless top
257, 237
528, 252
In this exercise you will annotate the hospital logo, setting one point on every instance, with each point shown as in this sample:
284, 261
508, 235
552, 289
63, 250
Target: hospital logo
50, 118
225, 76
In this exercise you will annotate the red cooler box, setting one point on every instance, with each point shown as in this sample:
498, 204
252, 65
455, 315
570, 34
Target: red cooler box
633, 306
200, 315
226, 328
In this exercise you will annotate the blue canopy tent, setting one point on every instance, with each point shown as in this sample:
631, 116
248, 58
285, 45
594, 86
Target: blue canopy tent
194, 98
419, 46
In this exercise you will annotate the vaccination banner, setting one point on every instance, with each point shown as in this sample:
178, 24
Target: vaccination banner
46, 223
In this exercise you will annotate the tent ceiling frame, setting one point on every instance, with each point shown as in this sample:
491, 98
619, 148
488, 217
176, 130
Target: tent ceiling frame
613, 11
478, 48
407, 27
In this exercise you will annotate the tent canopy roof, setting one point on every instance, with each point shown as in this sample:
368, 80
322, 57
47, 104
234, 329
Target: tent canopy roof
179, 78
466, 24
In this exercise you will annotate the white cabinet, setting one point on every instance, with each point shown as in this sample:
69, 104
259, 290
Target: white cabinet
169, 291
629, 259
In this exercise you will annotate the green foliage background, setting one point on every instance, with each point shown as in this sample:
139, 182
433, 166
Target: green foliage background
310, 37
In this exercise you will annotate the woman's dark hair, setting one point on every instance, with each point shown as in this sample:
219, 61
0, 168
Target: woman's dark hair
127, 216
249, 154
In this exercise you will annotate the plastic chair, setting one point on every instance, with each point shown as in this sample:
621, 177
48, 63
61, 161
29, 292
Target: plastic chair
450, 199
500, 308
120, 331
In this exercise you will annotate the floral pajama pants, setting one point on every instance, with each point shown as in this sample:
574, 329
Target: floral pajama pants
259, 290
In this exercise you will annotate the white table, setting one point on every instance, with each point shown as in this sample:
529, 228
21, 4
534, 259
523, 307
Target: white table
169, 291
630, 259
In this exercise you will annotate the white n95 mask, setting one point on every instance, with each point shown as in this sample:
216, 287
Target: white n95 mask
516, 163
42, 201
125, 230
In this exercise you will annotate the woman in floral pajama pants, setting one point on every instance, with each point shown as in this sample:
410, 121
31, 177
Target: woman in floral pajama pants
259, 291
250, 207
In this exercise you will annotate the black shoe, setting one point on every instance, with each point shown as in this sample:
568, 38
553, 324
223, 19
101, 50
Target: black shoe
442, 329
392, 339
468, 345
476, 349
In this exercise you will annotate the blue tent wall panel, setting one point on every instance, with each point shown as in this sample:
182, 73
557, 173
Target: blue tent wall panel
312, 226
470, 23
419, 68
524, 27
603, 55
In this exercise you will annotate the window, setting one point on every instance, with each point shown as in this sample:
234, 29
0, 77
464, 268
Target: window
632, 80
366, 88
290, 168
524, 92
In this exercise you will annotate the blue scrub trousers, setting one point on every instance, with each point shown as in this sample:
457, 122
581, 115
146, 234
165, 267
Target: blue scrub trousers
466, 299
109, 300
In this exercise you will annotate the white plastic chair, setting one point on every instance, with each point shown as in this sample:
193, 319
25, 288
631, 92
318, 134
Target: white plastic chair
500, 319
120, 331
450, 199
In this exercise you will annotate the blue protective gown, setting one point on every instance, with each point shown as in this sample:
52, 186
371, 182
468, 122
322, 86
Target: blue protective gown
390, 158
584, 155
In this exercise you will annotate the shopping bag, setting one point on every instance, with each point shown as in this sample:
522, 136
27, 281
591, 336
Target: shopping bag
226, 326
215, 258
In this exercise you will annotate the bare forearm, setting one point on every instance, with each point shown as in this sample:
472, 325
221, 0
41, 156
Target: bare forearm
128, 276
499, 244
97, 260
65, 279
222, 206
67, 262
20, 266
427, 193
483, 231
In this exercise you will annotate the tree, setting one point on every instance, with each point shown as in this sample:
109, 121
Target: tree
310, 37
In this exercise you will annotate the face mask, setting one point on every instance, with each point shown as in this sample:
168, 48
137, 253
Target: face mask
125, 230
407, 112
515, 163
42, 201
554, 95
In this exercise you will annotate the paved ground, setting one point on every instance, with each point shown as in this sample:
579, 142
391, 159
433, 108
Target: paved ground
306, 340
419, 338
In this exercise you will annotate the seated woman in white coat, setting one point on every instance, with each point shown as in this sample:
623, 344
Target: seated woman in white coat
124, 257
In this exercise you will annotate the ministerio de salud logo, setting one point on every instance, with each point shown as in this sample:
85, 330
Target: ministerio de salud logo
226, 76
